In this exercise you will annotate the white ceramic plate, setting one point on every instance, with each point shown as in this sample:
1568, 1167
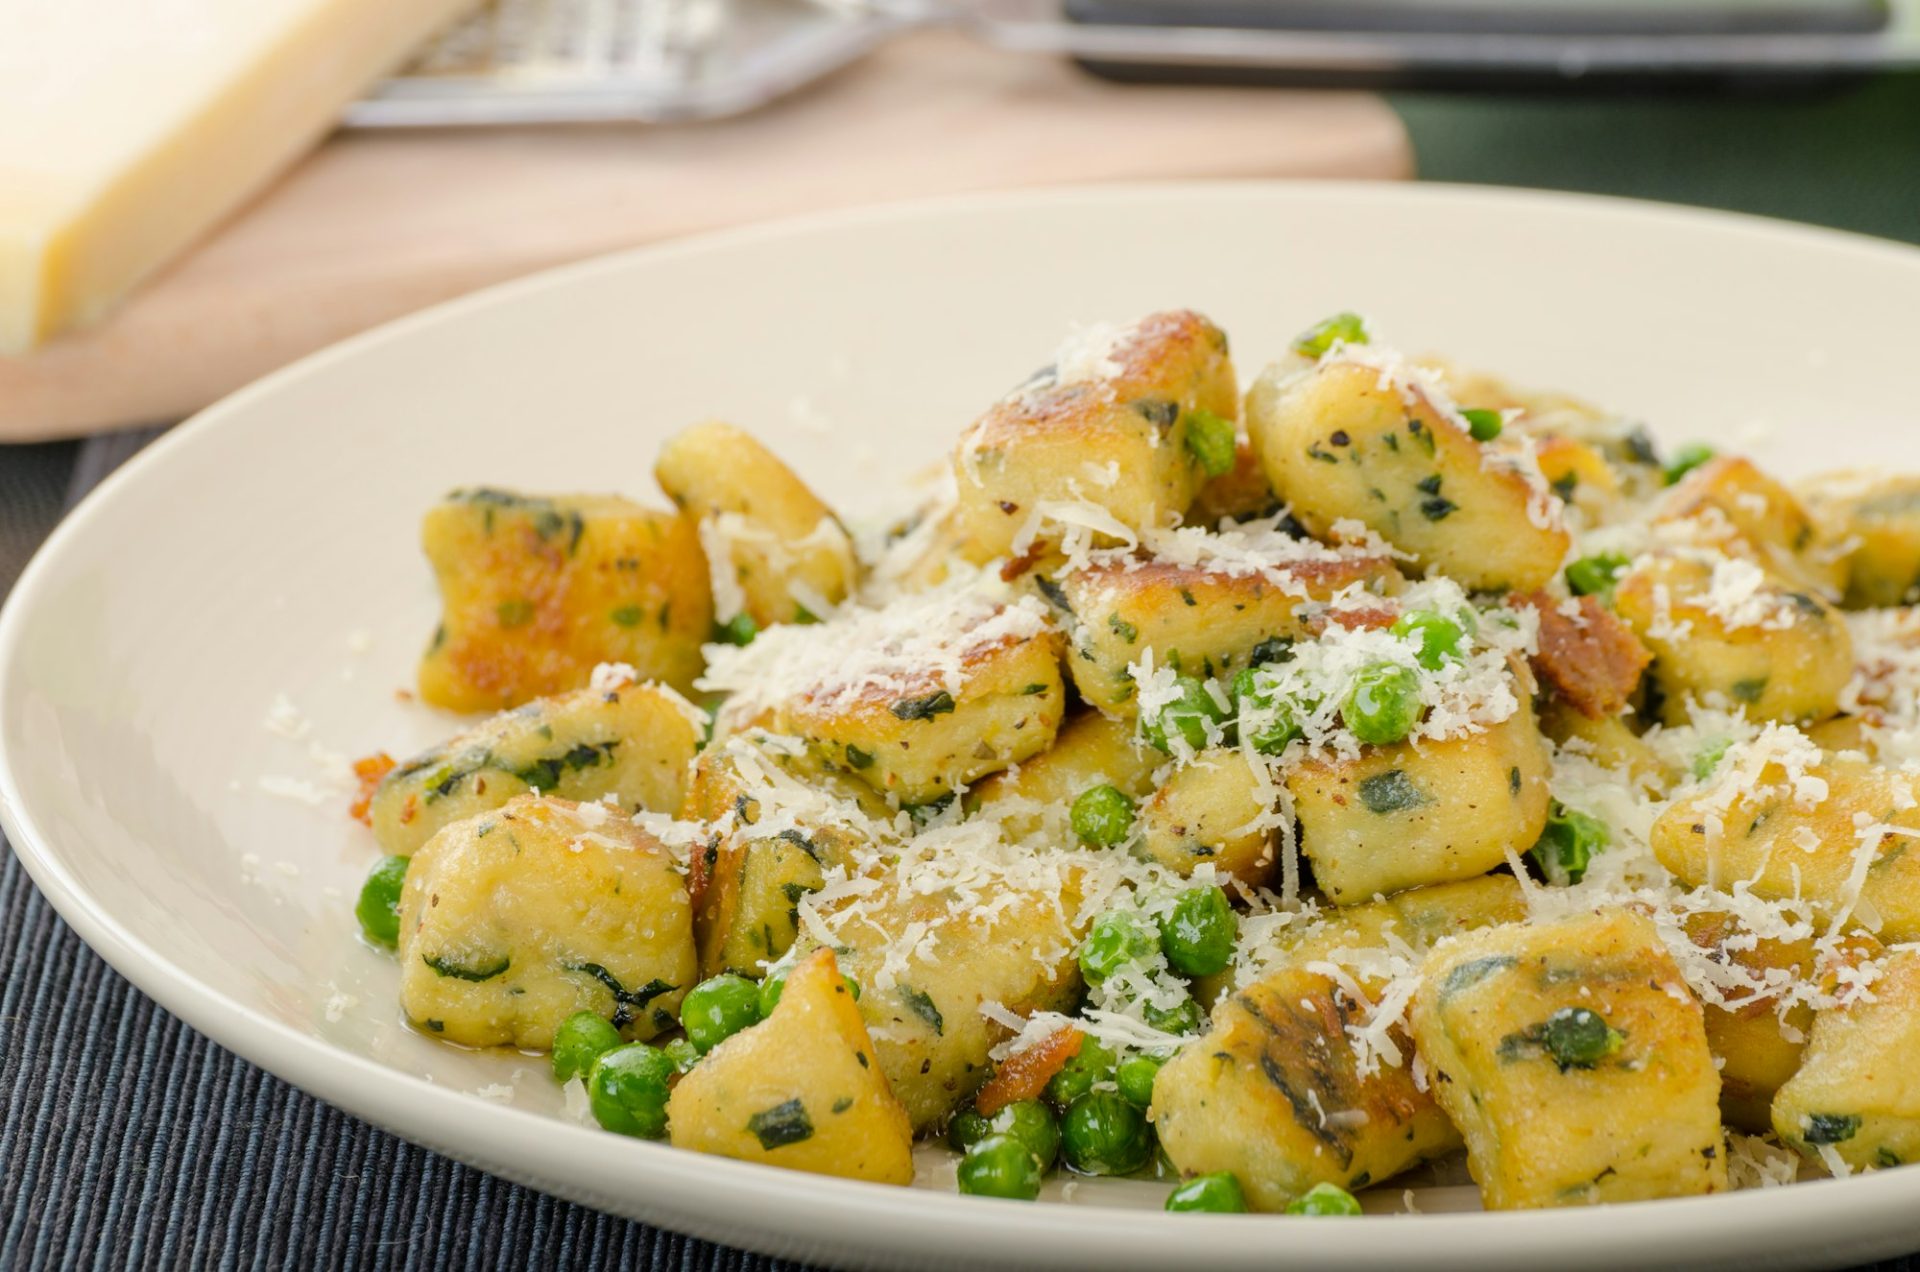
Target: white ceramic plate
268, 549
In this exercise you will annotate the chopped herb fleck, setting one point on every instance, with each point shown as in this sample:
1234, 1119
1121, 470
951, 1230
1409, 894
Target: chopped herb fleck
1391, 792
1469, 974
922, 1005
926, 708
483, 969
1831, 1128
545, 773
781, 1125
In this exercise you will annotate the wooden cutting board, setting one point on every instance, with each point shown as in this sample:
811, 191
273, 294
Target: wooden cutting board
374, 225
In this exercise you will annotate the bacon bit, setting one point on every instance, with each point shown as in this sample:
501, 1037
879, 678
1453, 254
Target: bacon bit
411, 809
1014, 567
1025, 1076
1593, 662
368, 771
403, 695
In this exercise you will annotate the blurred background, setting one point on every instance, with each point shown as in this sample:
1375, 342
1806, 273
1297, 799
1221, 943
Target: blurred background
195, 192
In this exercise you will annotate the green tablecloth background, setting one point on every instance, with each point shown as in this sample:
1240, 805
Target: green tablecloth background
128, 1140
1845, 157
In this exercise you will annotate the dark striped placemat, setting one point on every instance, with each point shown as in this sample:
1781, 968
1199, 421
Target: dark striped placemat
130, 1141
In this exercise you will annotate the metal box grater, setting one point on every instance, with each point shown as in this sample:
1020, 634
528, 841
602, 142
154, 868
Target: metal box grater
553, 61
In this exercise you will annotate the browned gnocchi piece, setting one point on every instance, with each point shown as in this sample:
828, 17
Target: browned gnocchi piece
1574, 1061
1105, 425
536, 592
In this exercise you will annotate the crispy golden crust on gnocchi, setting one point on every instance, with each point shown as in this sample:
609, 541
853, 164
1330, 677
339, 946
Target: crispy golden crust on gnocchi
1729, 504
1271, 1090
513, 920
920, 742
1207, 619
536, 592
1574, 1061
1106, 425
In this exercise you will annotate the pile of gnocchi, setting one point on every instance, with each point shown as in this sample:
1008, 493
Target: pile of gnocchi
1261, 792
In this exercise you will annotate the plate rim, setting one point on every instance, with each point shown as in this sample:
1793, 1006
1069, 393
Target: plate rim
543, 1148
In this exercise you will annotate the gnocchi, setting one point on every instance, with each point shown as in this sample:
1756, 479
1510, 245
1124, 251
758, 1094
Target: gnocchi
1390, 765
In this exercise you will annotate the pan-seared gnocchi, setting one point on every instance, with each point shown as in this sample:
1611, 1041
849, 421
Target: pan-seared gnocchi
775, 552
536, 592
1125, 422
1574, 1062
514, 919
1266, 796
629, 744
1355, 439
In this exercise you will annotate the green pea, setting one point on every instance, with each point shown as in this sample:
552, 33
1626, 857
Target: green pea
1033, 1124
1102, 1134
1212, 441
1595, 575
1000, 1166
1324, 1199
967, 1128
581, 1039
1436, 637
627, 1089
1342, 328
1271, 723
1567, 844
378, 908
1093, 1064
738, 630
1117, 937
1577, 1038
1383, 704
1708, 758
683, 1054
1135, 1077
1484, 426
1187, 1018
1103, 816
1187, 714
775, 984
1218, 1193
1686, 459
1198, 934
718, 1008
